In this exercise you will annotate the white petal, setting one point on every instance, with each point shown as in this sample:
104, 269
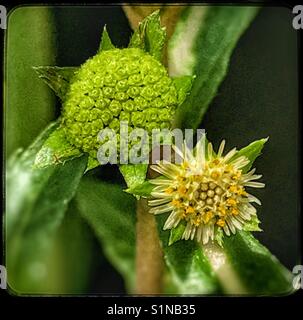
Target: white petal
205, 235
193, 233
252, 198
177, 220
178, 152
240, 162
230, 154
171, 220
254, 184
241, 220
212, 231
161, 209
156, 202
157, 194
170, 167
249, 174
248, 208
160, 182
245, 213
160, 189
210, 150
187, 231
252, 177
200, 151
226, 230
236, 223
231, 226
188, 154
221, 148
163, 170
199, 233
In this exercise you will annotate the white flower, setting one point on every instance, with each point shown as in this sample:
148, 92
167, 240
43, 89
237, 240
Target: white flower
207, 191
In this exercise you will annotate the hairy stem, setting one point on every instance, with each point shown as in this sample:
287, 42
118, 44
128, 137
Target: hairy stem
149, 257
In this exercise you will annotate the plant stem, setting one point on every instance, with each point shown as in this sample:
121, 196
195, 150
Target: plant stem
149, 257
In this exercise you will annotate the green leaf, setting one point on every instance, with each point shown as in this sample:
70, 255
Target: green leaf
114, 224
251, 152
58, 270
219, 236
106, 43
29, 105
176, 233
183, 85
92, 163
150, 36
56, 149
189, 269
57, 78
257, 268
36, 201
73, 236
205, 39
22, 162
252, 224
142, 190
134, 174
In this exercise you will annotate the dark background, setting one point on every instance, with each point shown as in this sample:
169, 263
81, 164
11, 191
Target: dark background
258, 98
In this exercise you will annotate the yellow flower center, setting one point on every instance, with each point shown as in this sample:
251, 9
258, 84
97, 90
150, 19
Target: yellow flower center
210, 197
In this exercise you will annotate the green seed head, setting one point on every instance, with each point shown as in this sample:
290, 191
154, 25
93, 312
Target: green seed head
117, 85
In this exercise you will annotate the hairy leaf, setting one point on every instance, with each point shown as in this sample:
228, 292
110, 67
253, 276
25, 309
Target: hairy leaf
252, 224
106, 43
210, 34
176, 233
92, 163
57, 78
56, 149
142, 190
183, 86
134, 174
150, 36
251, 152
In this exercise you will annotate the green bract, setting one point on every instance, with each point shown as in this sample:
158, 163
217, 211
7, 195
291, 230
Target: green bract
117, 85
113, 87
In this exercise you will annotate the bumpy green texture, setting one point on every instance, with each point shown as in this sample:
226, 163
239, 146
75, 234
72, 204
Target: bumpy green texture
117, 85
